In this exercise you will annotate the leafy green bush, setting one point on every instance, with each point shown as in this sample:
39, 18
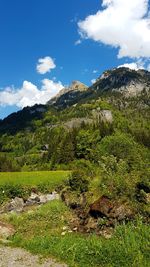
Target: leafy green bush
116, 181
78, 182
123, 147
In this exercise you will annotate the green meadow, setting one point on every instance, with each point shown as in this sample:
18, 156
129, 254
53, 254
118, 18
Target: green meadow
53, 178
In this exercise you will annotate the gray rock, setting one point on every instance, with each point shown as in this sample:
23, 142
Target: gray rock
33, 199
16, 205
54, 195
43, 199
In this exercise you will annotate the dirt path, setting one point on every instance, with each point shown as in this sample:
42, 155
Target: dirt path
16, 257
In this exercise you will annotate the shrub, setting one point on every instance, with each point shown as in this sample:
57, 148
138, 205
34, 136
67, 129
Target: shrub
78, 182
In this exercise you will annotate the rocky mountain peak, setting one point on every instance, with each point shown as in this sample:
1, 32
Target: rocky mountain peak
68, 93
124, 80
77, 85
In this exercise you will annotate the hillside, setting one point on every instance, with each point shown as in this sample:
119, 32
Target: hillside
101, 134
118, 83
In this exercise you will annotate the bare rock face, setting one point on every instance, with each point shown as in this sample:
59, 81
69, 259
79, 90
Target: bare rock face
6, 230
123, 80
104, 207
69, 95
106, 116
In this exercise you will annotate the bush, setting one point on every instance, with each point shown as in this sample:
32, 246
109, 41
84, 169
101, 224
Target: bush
78, 182
116, 181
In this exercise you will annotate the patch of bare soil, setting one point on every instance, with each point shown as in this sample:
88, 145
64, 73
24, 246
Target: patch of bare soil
16, 257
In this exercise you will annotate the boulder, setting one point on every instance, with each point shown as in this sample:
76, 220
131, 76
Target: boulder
101, 207
33, 199
16, 205
42, 199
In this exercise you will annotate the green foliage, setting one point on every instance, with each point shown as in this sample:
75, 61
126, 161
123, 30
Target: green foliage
86, 142
9, 191
123, 146
54, 178
7, 163
115, 178
78, 182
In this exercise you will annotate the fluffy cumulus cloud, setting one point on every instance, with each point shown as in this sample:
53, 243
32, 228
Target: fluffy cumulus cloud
45, 65
29, 94
123, 24
139, 65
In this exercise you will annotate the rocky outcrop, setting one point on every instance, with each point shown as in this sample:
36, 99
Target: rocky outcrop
69, 96
123, 80
18, 205
102, 115
101, 207
104, 207
121, 212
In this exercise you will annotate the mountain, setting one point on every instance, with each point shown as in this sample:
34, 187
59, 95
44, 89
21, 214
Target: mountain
128, 82
69, 96
122, 82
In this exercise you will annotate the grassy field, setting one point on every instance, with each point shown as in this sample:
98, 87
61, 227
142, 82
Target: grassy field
54, 178
20, 184
41, 233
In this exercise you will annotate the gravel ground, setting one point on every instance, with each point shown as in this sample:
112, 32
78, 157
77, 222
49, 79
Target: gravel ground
16, 257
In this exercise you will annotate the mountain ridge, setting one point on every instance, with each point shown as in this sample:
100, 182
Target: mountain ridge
123, 82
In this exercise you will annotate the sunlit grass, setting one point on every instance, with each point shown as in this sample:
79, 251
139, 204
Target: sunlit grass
33, 178
40, 233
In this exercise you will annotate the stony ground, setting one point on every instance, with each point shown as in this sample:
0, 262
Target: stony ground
16, 257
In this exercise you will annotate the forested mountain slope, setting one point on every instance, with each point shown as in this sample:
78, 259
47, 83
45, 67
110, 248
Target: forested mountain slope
74, 124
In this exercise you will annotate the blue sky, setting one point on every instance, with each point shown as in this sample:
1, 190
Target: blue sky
35, 29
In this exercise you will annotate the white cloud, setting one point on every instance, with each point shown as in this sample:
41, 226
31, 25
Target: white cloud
140, 64
133, 66
95, 71
93, 81
78, 42
29, 94
45, 65
123, 24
